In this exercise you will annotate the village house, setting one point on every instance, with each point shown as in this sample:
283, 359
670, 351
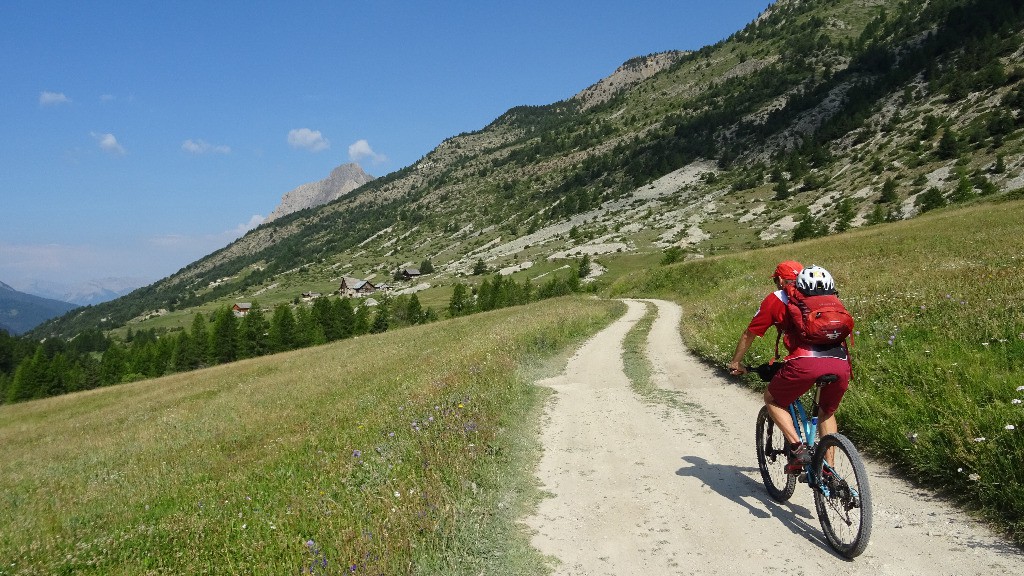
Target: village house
351, 287
241, 309
410, 273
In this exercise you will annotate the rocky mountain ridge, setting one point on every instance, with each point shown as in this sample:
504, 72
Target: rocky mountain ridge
341, 181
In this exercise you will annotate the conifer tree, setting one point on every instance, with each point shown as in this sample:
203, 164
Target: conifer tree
414, 311
224, 338
346, 317
253, 332
282, 329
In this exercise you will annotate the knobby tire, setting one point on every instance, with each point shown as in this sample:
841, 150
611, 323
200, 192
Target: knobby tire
771, 458
845, 514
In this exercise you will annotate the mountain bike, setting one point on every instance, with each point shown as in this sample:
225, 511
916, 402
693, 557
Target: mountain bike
835, 473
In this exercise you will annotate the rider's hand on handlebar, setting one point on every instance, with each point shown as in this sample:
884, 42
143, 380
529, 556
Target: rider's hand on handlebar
736, 368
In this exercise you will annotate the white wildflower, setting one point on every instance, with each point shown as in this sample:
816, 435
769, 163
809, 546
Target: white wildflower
1020, 388
980, 439
974, 477
398, 494
1016, 401
1011, 427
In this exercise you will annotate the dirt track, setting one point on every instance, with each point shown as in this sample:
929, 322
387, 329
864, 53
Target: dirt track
639, 488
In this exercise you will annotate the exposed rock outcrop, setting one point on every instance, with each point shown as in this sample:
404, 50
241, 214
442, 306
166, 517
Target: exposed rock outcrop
343, 179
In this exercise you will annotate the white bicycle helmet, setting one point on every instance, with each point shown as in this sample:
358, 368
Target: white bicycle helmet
815, 280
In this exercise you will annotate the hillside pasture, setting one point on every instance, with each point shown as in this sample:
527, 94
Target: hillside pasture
370, 455
938, 353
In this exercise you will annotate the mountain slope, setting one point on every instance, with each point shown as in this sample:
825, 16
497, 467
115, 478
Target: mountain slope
20, 312
819, 116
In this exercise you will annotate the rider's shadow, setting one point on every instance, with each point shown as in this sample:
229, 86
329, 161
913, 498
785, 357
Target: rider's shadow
732, 483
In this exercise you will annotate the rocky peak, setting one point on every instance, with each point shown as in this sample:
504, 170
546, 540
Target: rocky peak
632, 72
342, 180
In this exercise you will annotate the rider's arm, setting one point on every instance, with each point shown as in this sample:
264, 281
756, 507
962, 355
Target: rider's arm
746, 339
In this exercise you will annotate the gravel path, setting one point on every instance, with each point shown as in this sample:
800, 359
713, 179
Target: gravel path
642, 488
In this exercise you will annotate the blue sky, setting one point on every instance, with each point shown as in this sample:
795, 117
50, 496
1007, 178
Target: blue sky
138, 137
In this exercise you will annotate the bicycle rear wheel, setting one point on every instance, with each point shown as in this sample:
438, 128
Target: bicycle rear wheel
842, 496
771, 459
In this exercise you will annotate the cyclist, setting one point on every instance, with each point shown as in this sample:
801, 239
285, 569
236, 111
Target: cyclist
803, 365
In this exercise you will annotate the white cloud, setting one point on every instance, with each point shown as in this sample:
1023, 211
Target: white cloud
307, 139
47, 98
108, 143
241, 229
361, 150
204, 147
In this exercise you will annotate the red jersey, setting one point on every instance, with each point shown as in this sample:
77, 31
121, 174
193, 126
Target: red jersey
772, 312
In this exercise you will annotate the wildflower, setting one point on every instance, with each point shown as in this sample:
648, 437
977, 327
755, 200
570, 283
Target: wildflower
960, 469
981, 439
1020, 388
357, 453
974, 477
1011, 427
398, 494
1016, 401
310, 543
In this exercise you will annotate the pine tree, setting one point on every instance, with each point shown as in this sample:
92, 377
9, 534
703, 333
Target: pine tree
458, 305
200, 341
584, 268
362, 323
254, 339
844, 214
323, 313
282, 329
224, 338
346, 317
414, 311
382, 318
930, 200
888, 192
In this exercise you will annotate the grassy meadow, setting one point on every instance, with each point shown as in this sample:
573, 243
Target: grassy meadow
402, 453
938, 356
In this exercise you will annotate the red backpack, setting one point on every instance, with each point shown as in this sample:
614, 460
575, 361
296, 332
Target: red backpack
819, 319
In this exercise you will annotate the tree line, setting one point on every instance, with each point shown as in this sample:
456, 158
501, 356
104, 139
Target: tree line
32, 369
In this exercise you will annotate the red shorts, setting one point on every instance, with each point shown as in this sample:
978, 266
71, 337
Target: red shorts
798, 375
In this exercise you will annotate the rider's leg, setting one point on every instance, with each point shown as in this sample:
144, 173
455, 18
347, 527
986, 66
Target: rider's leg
828, 425
783, 421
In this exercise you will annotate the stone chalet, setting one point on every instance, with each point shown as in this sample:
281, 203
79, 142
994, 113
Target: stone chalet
351, 287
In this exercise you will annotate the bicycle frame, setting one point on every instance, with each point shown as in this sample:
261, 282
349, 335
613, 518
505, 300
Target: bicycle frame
807, 430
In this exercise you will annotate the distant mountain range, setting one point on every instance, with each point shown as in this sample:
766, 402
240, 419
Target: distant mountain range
86, 293
21, 312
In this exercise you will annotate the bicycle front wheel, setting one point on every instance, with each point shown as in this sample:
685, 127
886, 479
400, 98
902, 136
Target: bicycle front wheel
771, 458
842, 496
